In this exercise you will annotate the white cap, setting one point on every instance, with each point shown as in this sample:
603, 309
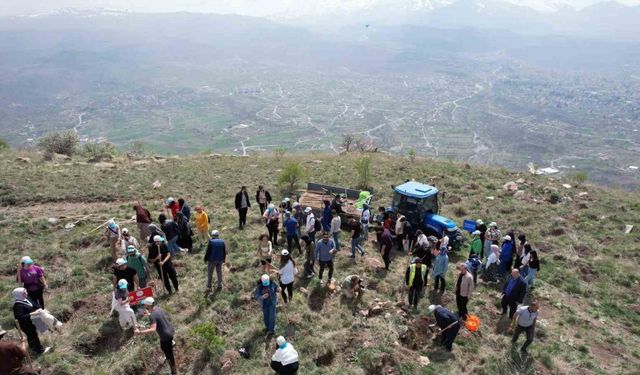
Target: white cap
157, 238
281, 341
264, 278
120, 262
125, 230
476, 232
215, 233
493, 224
271, 206
507, 238
122, 284
148, 301
286, 200
307, 210
26, 260
284, 252
479, 222
131, 249
170, 200
431, 308
296, 204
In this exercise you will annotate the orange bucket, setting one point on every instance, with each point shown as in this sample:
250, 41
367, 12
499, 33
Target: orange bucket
472, 323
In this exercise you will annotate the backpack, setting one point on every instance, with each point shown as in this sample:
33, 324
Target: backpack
317, 226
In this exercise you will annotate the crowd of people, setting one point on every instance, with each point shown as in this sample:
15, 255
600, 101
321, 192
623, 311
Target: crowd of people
496, 258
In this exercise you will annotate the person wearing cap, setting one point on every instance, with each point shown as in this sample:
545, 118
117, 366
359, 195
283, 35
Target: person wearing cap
127, 240
473, 265
23, 309
416, 280
12, 355
492, 237
449, 325
215, 257
287, 273
475, 247
310, 227
524, 320
32, 278
263, 198
143, 219
513, 292
126, 315
184, 208
292, 227
267, 294
172, 207
325, 249
171, 231
352, 287
202, 225
161, 325
285, 360
422, 249
122, 271
440, 268
464, 290
112, 233
271, 220
242, 205
482, 228
506, 256
285, 205
160, 257
365, 219
138, 262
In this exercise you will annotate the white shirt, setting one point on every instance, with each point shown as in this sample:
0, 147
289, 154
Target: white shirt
525, 259
525, 317
287, 273
493, 258
310, 223
423, 240
365, 217
336, 222
286, 356
399, 226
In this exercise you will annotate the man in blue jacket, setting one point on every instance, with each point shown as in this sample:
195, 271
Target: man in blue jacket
325, 248
449, 325
506, 256
216, 256
267, 294
513, 292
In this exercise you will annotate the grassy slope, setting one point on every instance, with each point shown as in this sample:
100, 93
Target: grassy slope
588, 286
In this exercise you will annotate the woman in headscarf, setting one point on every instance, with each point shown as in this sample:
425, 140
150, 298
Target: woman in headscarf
271, 218
491, 268
113, 236
32, 278
143, 219
441, 265
185, 241
23, 309
154, 231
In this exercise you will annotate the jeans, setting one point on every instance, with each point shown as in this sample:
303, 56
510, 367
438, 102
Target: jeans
487, 250
323, 264
172, 246
531, 277
272, 228
529, 332
461, 302
439, 281
269, 316
218, 267
415, 292
293, 239
365, 232
336, 240
242, 216
355, 244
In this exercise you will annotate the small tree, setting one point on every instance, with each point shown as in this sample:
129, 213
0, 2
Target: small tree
412, 155
291, 175
580, 177
347, 141
206, 338
4, 145
97, 151
363, 169
279, 152
65, 143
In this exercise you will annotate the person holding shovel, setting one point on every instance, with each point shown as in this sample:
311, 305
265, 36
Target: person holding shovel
160, 256
448, 323
161, 325
12, 356
267, 294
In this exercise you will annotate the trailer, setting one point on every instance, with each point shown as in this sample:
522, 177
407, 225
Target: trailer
316, 194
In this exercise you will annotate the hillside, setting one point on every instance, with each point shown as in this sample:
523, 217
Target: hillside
588, 284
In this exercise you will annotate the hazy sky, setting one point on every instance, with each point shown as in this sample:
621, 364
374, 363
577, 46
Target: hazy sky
251, 7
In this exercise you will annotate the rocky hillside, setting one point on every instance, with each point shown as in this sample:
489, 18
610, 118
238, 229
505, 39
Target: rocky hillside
588, 284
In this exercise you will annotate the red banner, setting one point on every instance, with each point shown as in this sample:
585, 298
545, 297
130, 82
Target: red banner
140, 294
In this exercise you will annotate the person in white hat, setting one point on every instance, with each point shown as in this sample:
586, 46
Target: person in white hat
310, 227
112, 233
215, 257
475, 247
482, 227
161, 325
506, 256
285, 360
32, 278
128, 240
267, 294
138, 262
271, 220
122, 271
287, 273
449, 325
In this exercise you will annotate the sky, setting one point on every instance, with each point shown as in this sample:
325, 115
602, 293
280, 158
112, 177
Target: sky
246, 7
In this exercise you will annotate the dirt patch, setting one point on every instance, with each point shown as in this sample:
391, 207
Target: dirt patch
583, 250
324, 360
452, 199
110, 338
607, 355
587, 273
418, 335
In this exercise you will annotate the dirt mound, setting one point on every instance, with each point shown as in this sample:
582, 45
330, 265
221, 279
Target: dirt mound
418, 335
110, 338
325, 359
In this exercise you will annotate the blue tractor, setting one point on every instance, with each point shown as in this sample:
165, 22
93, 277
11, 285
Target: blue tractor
419, 204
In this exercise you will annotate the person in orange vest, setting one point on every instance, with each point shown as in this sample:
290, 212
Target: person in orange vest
416, 279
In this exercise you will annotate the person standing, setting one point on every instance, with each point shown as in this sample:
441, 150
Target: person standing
160, 256
310, 227
12, 356
473, 265
161, 325
128, 240
524, 320
475, 247
400, 225
291, 227
336, 223
464, 290
325, 249
285, 360
522, 240
185, 239
138, 262
263, 198
23, 309
299, 215
386, 243
271, 220
32, 279
365, 219
267, 294
202, 225
122, 271
492, 237
416, 279
170, 229
513, 292
486, 248
506, 256
172, 207
449, 325
242, 206
215, 257
326, 216
185, 209
113, 236
356, 233
287, 273
143, 219
534, 266
440, 269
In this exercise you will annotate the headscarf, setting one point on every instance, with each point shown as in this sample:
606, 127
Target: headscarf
19, 296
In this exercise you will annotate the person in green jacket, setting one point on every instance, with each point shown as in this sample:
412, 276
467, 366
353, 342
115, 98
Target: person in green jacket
138, 262
476, 244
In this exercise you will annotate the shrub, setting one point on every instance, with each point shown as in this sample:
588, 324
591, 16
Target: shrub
65, 143
137, 148
97, 151
279, 152
291, 175
580, 177
4, 145
205, 337
554, 198
363, 170
412, 155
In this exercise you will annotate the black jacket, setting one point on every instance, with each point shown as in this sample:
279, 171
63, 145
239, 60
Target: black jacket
22, 312
519, 290
239, 199
444, 317
266, 194
170, 229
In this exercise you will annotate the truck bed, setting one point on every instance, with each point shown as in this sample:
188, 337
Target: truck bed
316, 193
